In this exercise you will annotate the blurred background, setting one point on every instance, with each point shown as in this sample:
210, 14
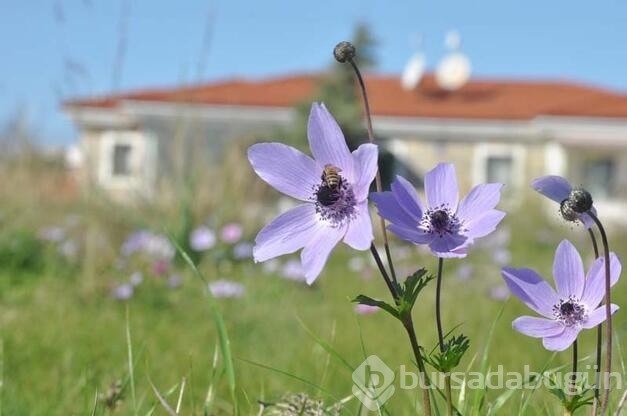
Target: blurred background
124, 126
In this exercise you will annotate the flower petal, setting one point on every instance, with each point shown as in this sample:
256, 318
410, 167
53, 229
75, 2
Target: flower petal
407, 198
389, 209
411, 234
481, 198
553, 187
594, 289
359, 234
597, 316
587, 220
561, 341
484, 224
327, 142
365, 160
441, 186
284, 168
530, 288
568, 271
287, 233
537, 327
316, 252
448, 245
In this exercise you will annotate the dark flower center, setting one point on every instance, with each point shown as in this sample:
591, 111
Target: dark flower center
570, 311
441, 220
327, 196
334, 198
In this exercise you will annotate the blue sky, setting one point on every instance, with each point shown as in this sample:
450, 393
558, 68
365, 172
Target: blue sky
58, 49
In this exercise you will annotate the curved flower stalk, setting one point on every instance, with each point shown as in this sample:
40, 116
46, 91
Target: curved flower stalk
446, 225
570, 309
561, 191
333, 186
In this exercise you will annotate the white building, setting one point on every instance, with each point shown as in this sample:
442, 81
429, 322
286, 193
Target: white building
493, 130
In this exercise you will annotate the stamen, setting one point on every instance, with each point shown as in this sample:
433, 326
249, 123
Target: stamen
334, 204
441, 220
570, 311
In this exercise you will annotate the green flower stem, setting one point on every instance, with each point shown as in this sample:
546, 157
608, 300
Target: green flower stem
438, 321
608, 313
595, 401
573, 386
438, 318
449, 396
391, 286
411, 333
408, 324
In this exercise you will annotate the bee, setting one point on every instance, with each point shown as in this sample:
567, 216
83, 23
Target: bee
329, 191
331, 176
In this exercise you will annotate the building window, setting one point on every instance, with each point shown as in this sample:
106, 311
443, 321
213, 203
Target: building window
598, 177
500, 163
500, 169
121, 160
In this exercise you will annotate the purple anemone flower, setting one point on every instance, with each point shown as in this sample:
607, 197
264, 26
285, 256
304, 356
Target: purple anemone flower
122, 292
333, 186
558, 189
575, 305
226, 289
446, 225
202, 238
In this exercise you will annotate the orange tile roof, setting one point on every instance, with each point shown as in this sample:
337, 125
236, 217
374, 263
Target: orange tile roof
479, 99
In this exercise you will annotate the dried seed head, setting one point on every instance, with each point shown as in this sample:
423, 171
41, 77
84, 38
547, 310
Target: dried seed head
344, 52
580, 200
567, 211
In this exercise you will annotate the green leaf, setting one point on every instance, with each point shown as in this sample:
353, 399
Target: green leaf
454, 350
365, 300
410, 290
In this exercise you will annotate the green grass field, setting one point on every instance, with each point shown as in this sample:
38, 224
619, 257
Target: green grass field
65, 341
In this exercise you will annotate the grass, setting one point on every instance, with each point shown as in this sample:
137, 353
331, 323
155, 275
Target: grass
67, 347
63, 345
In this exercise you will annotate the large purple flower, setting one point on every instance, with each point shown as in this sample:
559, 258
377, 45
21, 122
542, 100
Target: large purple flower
448, 227
559, 189
575, 305
333, 186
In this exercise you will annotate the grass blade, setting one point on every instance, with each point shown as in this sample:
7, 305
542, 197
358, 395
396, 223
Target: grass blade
1, 372
480, 393
327, 347
180, 400
93, 409
162, 400
225, 343
209, 398
131, 366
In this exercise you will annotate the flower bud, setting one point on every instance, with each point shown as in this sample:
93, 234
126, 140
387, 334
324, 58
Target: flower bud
344, 52
580, 200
